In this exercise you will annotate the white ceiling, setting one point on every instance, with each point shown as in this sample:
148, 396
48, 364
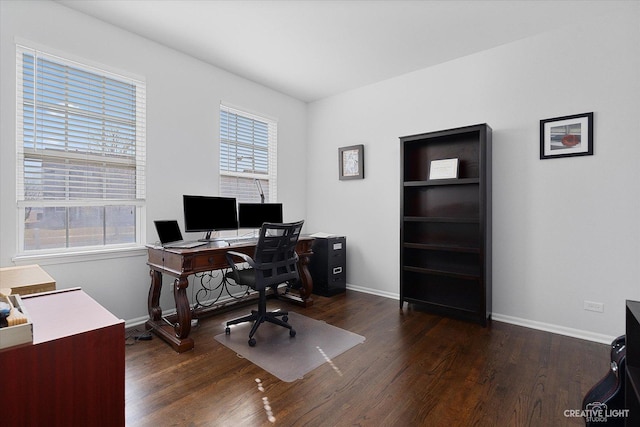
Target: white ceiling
314, 49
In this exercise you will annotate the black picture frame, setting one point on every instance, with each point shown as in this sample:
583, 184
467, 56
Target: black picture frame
351, 162
566, 136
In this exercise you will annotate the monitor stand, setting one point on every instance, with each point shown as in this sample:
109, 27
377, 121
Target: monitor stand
216, 243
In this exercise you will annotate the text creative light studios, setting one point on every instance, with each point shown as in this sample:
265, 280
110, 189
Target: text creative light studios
596, 412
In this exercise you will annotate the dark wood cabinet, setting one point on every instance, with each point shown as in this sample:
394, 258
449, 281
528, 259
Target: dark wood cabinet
632, 375
73, 372
445, 228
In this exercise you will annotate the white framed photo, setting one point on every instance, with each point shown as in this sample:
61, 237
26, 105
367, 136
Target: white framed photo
566, 136
443, 169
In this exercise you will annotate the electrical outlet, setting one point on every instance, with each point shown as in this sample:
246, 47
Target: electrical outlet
594, 306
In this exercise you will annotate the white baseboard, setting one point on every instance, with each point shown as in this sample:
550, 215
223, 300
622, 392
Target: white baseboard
132, 323
373, 292
532, 324
556, 329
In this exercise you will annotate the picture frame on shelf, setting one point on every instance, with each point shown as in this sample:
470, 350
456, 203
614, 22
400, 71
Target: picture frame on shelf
443, 169
351, 162
566, 136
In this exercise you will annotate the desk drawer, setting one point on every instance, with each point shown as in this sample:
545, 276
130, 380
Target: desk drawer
214, 260
185, 264
206, 262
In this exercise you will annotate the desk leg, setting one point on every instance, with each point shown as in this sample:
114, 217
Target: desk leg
153, 303
183, 327
178, 335
305, 278
304, 293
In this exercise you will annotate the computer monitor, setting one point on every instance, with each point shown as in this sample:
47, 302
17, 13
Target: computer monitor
207, 214
253, 215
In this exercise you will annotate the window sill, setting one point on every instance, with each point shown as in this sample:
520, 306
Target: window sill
79, 256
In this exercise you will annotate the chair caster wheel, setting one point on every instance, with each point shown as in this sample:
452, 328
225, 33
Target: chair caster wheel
227, 331
285, 318
292, 332
252, 342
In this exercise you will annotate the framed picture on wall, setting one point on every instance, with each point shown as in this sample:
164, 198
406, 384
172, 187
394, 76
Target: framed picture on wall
351, 162
566, 136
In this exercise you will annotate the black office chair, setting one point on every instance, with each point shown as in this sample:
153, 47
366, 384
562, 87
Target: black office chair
274, 262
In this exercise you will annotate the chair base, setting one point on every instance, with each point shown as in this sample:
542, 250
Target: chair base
257, 317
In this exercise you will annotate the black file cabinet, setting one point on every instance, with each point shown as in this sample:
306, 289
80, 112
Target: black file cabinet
328, 266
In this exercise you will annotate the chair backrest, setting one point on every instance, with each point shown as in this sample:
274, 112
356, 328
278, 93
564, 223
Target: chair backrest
275, 255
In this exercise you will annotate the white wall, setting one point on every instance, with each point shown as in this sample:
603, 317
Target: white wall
564, 230
183, 96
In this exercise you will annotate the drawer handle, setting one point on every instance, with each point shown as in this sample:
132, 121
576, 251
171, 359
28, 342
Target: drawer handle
210, 260
337, 270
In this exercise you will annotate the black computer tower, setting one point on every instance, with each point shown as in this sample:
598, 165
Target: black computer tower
328, 265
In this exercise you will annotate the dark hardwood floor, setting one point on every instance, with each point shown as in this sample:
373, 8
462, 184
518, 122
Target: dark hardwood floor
414, 369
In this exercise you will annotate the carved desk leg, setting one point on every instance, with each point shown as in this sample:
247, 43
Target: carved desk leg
153, 302
303, 296
183, 327
305, 277
178, 335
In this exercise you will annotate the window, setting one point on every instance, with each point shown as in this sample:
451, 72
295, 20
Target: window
247, 155
81, 155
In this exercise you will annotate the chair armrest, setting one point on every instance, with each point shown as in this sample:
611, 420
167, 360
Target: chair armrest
245, 258
267, 265
230, 260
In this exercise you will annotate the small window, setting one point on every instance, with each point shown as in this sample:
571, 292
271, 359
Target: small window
248, 156
81, 155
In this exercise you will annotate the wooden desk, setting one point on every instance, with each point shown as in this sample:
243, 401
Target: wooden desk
181, 263
73, 373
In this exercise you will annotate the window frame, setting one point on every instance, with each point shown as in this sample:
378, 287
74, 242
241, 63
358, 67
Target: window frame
137, 160
271, 177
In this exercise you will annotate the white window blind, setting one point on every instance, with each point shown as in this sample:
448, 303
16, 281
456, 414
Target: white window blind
81, 153
248, 155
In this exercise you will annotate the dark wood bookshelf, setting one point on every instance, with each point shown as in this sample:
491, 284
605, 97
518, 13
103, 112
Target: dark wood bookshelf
445, 228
